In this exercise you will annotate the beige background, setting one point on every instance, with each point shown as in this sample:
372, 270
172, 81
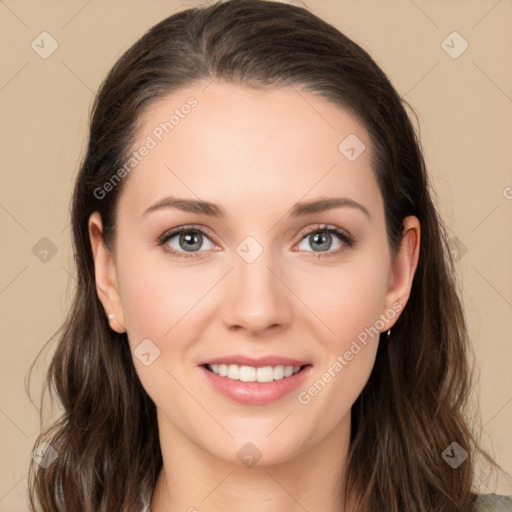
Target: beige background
464, 107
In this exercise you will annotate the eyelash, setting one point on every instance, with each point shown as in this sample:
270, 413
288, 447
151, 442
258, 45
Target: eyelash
348, 240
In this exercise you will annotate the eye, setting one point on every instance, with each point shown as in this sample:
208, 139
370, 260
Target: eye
321, 240
186, 241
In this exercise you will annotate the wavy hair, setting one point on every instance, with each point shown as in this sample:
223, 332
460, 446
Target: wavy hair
415, 402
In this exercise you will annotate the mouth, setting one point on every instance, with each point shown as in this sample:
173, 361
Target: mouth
261, 374
256, 384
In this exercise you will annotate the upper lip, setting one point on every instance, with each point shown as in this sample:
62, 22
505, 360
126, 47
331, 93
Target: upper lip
255, 362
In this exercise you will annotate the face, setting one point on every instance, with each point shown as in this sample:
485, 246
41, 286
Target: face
266, 277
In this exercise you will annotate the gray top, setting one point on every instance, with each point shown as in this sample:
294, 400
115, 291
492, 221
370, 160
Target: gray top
484, 503
494, 503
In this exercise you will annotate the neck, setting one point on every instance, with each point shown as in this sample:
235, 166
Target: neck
193, 480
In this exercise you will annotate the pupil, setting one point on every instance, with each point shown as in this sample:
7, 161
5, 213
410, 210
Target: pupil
191, 240
323, 239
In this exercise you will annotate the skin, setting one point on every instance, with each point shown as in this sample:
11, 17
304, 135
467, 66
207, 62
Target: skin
255, 154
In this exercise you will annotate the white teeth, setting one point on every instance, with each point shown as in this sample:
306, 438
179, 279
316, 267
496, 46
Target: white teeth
288, 371
252, 374
234, 372
265, 374
247, 374
279, 372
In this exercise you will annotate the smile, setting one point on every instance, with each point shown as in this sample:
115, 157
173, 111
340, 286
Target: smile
255, 385
253, 374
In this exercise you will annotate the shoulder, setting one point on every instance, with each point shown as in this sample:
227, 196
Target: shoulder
493, 503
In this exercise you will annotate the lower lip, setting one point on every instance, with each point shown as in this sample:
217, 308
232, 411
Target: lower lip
256, 393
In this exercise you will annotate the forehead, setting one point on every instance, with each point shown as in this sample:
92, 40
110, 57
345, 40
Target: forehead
250, 148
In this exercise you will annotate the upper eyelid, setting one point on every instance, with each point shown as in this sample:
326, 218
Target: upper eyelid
171, 233
186, 227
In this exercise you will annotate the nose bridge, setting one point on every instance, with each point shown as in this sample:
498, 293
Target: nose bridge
257, 297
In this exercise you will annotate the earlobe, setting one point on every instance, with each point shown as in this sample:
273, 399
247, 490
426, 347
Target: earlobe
105, 275
404, 266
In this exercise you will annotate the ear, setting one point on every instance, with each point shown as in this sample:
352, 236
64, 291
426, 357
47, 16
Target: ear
105, 274
403, 267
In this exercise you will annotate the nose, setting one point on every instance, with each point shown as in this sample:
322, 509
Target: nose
257, 300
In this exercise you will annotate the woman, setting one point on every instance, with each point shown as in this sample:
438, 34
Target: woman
212, 360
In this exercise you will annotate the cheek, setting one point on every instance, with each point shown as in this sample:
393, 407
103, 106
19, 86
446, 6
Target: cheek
347, 299
352, 312
157, 294
348, 303
160, 297
160, 304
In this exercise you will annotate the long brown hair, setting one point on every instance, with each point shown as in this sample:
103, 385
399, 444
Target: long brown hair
414, 404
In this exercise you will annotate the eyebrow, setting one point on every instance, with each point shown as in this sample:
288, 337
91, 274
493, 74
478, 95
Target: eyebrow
298, 209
